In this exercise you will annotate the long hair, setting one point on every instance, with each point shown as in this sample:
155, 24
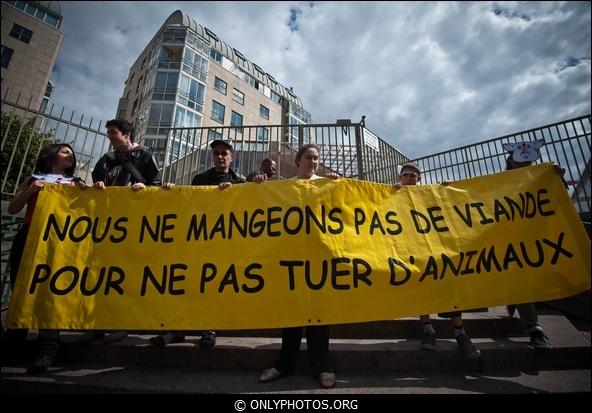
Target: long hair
47, 158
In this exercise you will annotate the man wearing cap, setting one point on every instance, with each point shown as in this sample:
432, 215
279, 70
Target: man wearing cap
411, 175
222, 176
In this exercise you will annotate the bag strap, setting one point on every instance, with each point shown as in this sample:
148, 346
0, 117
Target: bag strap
129, 166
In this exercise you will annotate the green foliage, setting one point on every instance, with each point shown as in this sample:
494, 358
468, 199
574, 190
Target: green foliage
25, 150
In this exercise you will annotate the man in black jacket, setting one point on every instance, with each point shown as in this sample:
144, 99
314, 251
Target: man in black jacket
222, 176
127, 165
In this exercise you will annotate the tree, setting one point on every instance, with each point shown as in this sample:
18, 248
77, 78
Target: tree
21, 142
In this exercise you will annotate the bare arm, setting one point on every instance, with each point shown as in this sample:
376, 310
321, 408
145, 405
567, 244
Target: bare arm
23, 193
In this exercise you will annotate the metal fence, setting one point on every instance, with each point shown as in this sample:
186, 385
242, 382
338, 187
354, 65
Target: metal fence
567, 144
347, 148
31, 129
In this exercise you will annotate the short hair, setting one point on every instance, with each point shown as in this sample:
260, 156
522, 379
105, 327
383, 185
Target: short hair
413, 166
47, 158
267, 161
123, 125
304, 149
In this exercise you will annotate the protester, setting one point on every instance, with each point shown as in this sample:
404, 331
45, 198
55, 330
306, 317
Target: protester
268, 168
410, 174
222, 175
521, 155
129, 164
55, 164
317, 337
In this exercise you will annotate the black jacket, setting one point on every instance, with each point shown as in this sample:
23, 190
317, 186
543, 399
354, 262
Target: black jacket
110, 170
211, 177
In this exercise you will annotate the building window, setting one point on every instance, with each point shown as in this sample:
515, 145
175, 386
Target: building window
214, 135
165, 86
51, 20
238, 96
263, 112
36, 12
218, 112
216, 56
195, 64
262, 134
160, 119
6, 55
20, 33
220, 85
275, 97
191, 93
236, 120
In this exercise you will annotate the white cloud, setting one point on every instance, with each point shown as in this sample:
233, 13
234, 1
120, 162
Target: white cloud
428, 76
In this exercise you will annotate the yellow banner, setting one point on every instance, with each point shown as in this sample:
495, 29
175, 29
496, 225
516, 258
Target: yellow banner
289, 253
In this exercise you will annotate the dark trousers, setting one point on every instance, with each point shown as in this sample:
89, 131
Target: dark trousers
317, 341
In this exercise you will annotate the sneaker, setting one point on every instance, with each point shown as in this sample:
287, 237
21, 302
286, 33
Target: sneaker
467, 348
162, 340
327, 380
539, 340
428, 341
208, 339
40, 365
115, 336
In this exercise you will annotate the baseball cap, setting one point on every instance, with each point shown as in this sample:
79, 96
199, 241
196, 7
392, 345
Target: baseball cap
221, 142
412, 166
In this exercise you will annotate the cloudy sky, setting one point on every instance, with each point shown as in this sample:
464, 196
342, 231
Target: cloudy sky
428, 76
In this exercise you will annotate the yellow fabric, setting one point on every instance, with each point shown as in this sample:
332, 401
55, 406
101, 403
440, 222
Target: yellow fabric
374, 260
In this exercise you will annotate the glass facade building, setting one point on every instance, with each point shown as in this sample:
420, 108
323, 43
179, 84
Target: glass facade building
188, 77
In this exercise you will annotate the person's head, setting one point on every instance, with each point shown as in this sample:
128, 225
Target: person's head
222, 155
268, 167
522, 153
56, 158
121, 134
307, 160
410, 174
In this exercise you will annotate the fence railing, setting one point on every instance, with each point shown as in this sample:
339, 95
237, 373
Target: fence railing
567, 144
26, 130
347, 148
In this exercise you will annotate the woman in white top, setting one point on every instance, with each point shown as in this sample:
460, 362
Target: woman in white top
317, 337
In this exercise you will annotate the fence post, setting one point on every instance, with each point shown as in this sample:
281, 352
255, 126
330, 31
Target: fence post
359, 128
